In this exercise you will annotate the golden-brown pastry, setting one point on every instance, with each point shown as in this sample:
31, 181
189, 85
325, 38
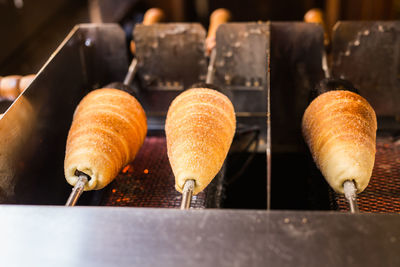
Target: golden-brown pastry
200, 127
108, 128
25, 82
340, 130
9, 87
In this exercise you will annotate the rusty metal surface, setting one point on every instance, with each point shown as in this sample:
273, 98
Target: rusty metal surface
383, 192
241, 65
242, 61
368, 55
170, 59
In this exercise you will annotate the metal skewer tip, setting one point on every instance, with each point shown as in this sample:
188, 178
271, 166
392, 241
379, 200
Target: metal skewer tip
325, 66
350, 192
77, 190
211, 66
187, 194
131, 72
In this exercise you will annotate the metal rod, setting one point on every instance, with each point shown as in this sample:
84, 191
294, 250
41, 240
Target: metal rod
210, 70
325, 66
187, 194
77, 190
268, 149
350, 192
131, 72
269, 140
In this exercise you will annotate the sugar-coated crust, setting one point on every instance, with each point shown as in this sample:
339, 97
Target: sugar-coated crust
340, 130
108, 128
200, 127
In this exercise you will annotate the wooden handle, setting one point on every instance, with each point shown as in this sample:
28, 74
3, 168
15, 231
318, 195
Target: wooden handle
316, 15
152, 16
9, 87
218, 17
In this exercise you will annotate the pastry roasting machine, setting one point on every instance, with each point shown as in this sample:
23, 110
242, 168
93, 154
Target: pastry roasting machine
267, 69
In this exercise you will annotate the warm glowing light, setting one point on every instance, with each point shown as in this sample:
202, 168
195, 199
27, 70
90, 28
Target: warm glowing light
125, 169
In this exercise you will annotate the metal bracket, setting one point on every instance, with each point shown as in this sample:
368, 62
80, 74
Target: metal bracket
368, 55
171, 58
242, 64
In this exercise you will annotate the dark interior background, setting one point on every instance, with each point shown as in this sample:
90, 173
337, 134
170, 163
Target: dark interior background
32, 29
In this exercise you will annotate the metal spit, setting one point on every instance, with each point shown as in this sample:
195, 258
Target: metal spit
217, 18
151, 16
316, 16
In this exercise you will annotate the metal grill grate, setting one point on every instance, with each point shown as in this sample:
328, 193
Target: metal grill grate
149, 181
383, 192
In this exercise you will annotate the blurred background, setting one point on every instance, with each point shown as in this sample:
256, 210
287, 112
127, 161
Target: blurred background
33, 29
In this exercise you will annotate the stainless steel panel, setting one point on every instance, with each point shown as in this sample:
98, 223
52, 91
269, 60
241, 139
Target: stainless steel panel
296, 67
34, 129
88, 236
